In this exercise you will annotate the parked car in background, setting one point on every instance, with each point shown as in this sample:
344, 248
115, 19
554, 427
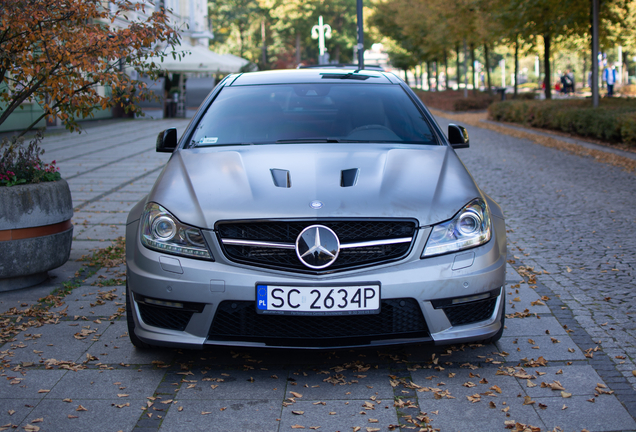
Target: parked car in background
314, 208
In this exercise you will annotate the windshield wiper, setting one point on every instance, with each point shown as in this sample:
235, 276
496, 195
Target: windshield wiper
308, 140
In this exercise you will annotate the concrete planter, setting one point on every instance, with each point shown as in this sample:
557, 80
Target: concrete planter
35, 232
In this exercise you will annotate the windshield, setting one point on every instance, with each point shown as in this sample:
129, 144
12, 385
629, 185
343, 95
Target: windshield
312, 113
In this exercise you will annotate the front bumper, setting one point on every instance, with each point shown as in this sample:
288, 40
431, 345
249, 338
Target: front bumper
201, 290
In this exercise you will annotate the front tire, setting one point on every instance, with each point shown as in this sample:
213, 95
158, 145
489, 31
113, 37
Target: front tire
130, 321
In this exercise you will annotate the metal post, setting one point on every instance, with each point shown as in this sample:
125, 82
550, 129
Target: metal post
595, 12
360, 36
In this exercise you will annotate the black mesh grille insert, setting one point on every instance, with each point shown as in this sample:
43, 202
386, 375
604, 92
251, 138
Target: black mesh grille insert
162, 317
238, 321
287, 232
471, 312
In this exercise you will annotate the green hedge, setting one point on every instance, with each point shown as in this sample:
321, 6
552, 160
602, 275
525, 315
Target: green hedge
614, 120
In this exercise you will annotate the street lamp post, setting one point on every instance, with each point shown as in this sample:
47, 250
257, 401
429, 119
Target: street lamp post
360, 35
594, 83
320, 32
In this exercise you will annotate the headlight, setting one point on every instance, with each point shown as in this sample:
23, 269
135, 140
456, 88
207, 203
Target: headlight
162, 232
469, 228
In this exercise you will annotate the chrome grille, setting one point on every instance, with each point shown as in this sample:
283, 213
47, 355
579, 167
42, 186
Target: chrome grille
272, 243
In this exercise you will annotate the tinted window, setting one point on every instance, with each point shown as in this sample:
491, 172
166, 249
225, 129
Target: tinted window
312, 112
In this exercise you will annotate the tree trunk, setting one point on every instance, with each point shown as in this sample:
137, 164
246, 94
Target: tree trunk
406, 77
297, 48
584, 81
487, 56
264, 40
445, 70
459, 74
428, 76
472, 61
546, 61
516, 64
436, 76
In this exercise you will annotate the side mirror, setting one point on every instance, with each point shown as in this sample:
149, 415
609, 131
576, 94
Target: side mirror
458, 136
167, 141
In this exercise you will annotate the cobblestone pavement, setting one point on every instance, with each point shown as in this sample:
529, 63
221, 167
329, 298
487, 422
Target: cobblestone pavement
565, 360
574, 219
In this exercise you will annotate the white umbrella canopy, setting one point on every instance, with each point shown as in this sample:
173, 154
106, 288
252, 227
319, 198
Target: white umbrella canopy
199, 59
236, 61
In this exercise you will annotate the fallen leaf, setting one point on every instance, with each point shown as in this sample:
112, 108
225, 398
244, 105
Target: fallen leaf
43, 391
373, 420
67, 400
297, 426
298, 412
565, 395
491, 404
222, 408
81, 408
298, 395
122, 395
206, 412
38, 420
527, 400
72, 416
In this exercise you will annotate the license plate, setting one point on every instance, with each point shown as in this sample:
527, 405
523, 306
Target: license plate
297, 300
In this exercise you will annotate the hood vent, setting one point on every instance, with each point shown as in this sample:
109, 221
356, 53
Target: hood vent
281, 178
349, 177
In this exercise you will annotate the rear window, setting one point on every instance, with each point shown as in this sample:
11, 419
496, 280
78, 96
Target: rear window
266, 114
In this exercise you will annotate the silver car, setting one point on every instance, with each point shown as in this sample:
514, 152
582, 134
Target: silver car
314, 208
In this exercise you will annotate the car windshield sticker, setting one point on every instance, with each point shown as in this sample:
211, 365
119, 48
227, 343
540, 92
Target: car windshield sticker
208, 140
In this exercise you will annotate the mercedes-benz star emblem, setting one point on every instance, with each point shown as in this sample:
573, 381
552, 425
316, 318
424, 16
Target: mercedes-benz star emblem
317, 247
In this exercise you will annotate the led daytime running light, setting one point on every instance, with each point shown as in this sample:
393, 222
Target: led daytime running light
162, 232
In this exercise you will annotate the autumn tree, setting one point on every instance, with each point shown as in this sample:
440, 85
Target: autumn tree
63, 54
233, 21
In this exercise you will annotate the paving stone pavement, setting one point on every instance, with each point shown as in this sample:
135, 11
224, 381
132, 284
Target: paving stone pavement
565, 360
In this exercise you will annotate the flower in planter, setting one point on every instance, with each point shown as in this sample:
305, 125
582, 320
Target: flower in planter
21, 164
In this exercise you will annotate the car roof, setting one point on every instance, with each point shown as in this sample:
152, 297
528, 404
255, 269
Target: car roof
314, 75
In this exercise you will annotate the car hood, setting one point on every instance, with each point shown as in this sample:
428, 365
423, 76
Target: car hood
205, 185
